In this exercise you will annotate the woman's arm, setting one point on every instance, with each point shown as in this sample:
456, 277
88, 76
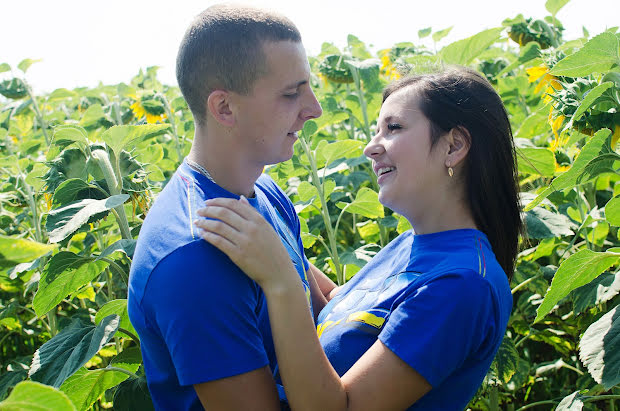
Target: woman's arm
379, 379
322, 288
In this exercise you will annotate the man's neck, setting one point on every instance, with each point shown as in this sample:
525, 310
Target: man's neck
226, 161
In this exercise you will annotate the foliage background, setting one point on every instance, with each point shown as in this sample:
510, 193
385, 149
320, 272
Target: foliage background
80, 169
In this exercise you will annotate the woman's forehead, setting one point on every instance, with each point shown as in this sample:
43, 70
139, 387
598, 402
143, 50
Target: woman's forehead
402, 102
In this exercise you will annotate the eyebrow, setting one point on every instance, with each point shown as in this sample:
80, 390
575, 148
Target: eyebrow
295, 85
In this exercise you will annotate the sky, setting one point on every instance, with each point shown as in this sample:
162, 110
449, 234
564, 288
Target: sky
82, 42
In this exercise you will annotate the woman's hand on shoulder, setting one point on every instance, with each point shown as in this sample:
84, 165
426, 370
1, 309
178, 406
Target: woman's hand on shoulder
239, 231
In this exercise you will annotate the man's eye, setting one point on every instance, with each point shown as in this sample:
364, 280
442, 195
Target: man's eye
292, 95
393, 126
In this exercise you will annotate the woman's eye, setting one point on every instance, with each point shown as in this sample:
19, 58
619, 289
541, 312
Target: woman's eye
393, 126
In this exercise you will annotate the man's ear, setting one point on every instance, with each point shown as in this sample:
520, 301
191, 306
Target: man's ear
218, 105
459, 142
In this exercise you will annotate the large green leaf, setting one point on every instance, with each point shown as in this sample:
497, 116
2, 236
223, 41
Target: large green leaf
438, 35
120, 137
10, 379
366, 203
603, 288
464, 51
75, 189
507, 360
598, 349
65, 273
92, 116
25, 64
4, 67
595, 158
85, 387
340, 149
571, 403
553, 6
64, 221
133, 394
14, 251
32, 396
597, 55
589, 99
118, 307
541, 223
70, 349
612, 211
125, 246
69, 133
535, 160
577, 270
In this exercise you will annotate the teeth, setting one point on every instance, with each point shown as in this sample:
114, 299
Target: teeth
384, 170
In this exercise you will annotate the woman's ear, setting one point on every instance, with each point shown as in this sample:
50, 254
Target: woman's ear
218, 105
459, 142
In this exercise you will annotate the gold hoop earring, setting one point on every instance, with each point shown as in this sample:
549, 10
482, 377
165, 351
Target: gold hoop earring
450, 172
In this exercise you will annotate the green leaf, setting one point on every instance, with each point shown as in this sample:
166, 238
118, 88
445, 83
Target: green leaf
64, 221
572, 402
306, 191
603, 288
424, 32
438, 35
340, 149
92, 116
577, 270
70, 349
129, 359
507, 360
133, 394
25, 64
61, 94
70, 190
32, 396
85, 387
366, 203
126, 246
587, 165
535, 160
541, 223
14, 251
310, 128
118, 307
553, 6
597, 55
9, 380
65, 273
464, 51
120, 137
4, 67
598, 349
589, 99
65, 134
612, 211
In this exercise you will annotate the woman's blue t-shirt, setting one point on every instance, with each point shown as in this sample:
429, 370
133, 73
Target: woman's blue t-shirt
439, 301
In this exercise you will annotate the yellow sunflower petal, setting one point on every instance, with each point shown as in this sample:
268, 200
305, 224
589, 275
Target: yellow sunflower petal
534, 73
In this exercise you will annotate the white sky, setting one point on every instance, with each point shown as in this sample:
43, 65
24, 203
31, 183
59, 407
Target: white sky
83, 42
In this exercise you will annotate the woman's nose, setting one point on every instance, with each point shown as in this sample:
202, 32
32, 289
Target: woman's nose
374, 148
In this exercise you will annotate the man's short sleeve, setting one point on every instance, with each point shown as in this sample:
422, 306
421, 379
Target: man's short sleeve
205, 309
436, 327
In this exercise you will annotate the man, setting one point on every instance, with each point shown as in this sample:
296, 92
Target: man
203, 324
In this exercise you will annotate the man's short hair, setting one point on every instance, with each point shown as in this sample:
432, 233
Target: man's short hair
223, 49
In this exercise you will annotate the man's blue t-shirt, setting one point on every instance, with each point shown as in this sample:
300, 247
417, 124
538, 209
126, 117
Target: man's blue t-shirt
439, 301
198, 316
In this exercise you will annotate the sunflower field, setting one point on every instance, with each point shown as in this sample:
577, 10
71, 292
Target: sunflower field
80, 168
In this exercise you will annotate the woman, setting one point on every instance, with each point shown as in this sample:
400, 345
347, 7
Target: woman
419, 325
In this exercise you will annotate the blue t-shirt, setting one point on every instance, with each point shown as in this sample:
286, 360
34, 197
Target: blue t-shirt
198, 316
439, 301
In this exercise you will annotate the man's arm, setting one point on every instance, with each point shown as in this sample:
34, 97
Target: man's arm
254, 390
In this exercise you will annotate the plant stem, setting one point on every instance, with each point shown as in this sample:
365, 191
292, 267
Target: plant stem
114, 182
324, 211
360, 96
535, 404
38, 114
33, 208
124, 371
130, 334
494, 400
524, 283
172, 125
51, 320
